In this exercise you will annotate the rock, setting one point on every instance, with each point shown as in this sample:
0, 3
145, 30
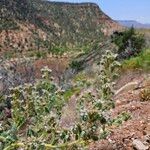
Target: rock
138, 145
147, 129
147, 139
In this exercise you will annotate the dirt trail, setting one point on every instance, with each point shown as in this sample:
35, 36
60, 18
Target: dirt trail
70, 115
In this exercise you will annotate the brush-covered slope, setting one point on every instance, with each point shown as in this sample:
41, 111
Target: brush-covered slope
27, 25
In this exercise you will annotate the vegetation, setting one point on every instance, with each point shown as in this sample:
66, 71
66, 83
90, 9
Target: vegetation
129, 42
9, 24
31, 19
76, 65
124, 116
41, 54
142, 61
36, 111
70, 92
145, 94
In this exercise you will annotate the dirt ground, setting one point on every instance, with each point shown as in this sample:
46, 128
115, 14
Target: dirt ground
138, 127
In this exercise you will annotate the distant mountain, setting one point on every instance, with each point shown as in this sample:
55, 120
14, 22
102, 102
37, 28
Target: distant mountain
27, 25
136, 24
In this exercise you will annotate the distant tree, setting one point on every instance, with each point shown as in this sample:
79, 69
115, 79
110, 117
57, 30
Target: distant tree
129, 42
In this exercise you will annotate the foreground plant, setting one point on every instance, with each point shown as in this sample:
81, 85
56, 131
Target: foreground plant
145, 94
94, 109
37, 108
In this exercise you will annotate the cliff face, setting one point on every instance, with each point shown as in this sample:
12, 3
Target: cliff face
35, 24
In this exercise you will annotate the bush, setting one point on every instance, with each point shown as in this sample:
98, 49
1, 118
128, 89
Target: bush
8, 55
8, 24
41, 54
37, 109
124, 116
76, 65
129, 42
145, 95
58, 50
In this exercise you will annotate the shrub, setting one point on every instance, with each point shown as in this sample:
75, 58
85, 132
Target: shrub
145, 95
70, 92
129, 42
94, 110
8, 55
76, 65
41, 54
124, 116
8, 24
37, 108
58, 50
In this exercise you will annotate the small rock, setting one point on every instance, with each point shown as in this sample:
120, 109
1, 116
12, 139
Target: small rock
147, 138
118, 102
138, 145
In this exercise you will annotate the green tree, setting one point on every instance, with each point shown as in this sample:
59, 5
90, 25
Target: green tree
129, 42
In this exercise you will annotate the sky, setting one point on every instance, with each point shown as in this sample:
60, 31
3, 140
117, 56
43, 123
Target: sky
138, 10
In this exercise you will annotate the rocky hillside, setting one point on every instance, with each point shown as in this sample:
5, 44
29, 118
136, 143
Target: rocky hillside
28, 25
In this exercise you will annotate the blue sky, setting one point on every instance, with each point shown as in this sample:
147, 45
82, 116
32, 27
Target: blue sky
122, 9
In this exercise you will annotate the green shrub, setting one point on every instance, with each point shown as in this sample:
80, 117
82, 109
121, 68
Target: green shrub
129, 42
93, 110
8, 55
70, 92
8, 25
58, 50
41, 54
124, 116
76, 65
37, 109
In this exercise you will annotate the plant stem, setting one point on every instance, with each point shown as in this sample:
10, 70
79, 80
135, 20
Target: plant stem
48, 146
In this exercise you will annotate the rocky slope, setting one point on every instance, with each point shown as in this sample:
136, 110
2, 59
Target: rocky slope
42, 25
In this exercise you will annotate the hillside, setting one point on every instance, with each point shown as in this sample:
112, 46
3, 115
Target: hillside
41, 25
85, 89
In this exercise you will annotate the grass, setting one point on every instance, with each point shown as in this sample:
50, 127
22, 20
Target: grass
142, 61
67, 95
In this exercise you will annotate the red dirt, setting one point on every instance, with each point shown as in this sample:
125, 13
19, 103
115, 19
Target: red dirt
57, 65
138, 127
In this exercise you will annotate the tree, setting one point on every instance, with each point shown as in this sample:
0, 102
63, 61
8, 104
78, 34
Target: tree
129, 42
